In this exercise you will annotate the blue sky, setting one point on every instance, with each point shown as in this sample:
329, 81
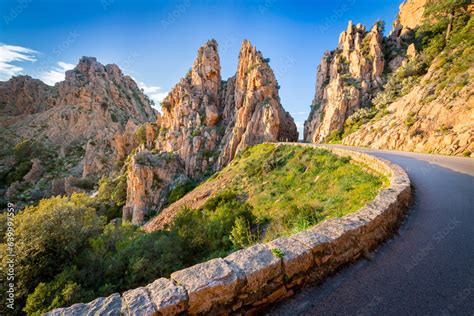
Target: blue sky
156, 41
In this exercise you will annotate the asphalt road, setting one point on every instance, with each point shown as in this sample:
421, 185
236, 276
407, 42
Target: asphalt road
427, 269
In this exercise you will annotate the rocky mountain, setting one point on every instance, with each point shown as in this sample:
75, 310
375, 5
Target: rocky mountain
205, 123
63, 138
411, 90
346, 80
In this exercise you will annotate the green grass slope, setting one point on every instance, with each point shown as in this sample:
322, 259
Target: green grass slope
289, 188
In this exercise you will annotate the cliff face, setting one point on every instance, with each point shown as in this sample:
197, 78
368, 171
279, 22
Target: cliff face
76, 123
147, 182
409, 16
206, 121
252, 109
418, 122
346, 80
404, 92
24, 95
192, 113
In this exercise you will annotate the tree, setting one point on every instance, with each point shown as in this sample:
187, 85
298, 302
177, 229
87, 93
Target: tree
442, 13
49, 236
62, 291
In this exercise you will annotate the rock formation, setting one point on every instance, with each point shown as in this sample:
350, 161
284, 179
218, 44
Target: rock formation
380, 84
409, 17
251, 105
206, 121
76, 122
148, 178
191, 124
423, 123
346, 80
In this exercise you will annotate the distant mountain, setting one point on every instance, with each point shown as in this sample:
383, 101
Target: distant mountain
411, 90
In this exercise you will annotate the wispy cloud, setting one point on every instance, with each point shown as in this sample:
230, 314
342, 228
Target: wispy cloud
153, 92
57, 73
299, 113
10, 54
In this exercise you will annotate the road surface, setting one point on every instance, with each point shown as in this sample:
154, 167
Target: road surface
427, 269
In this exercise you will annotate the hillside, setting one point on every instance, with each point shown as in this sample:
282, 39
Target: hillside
267, 191
288, 188
411, 90
62, 139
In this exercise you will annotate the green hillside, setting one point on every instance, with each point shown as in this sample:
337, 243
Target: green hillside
290, 188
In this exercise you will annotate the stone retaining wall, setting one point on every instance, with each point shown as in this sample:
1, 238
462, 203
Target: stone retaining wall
253, 278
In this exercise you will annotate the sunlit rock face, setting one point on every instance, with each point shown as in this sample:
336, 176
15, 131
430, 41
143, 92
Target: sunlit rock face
78, 120
346, 80
206, 121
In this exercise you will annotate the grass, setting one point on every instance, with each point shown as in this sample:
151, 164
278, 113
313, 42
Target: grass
291, 188
277, 253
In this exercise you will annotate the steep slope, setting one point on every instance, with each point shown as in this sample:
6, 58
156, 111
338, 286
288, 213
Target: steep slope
288, 187
205, 122
346, 81
422, 101
74, 131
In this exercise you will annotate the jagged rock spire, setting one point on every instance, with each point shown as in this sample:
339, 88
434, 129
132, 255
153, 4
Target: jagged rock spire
206, 121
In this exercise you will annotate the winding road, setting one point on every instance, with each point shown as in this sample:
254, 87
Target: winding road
427, 269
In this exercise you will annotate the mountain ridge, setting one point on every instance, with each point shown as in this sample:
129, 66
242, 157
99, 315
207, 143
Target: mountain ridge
421, 97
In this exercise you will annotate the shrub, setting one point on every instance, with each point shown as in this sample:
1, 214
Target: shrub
334, 137
180, 190
21, 169
277, 253
140, 135
410, 119
60, 292
83, 183
241, 236
48, 236
196, 132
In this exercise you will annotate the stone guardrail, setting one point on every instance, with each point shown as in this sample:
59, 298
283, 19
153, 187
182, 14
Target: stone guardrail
250, 279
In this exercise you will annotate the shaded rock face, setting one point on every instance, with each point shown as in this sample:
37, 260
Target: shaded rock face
148, 177
346, 80
80, 116
206, 121
24, 95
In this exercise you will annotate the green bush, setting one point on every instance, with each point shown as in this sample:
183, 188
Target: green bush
180, 190
83, 183
334, 137
278, 253
21, 169
241, 235
196, 132
79, 259
140, 134
48, 236
410, 119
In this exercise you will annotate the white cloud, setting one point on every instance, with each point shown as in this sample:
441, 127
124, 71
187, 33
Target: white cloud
57, 73
299, 113
10, 54
153, 92
299, 124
